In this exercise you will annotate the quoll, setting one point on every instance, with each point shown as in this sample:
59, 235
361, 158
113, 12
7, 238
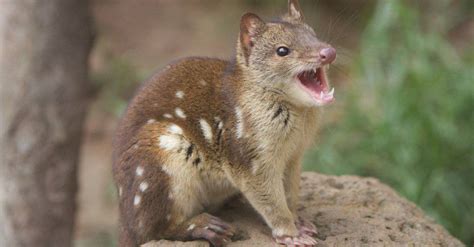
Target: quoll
203, 130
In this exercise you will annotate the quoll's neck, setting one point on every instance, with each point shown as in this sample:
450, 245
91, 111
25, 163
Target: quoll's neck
263, 109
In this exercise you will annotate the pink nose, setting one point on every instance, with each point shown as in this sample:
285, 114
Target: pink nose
327, 55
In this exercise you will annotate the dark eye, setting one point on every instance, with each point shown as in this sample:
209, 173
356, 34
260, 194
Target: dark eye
283, 51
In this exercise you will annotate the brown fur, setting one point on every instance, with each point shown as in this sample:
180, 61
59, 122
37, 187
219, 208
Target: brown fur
241, 129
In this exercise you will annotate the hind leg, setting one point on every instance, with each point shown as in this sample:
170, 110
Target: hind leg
162, 194
185, 165
206, 227
145, 186
144, 199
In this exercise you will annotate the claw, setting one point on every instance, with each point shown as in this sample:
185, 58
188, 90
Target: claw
212, 229
306, 227
300, 240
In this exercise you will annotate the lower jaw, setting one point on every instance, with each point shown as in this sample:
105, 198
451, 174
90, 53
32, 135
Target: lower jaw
317, 100
301, 98
323, 102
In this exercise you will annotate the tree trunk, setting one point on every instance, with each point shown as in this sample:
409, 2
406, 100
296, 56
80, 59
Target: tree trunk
44, 48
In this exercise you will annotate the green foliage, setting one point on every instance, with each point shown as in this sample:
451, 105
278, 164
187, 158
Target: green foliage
408, 118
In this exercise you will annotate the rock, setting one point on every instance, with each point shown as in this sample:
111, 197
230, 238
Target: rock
348, 211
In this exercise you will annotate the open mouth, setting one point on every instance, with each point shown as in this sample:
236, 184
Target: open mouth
316, 84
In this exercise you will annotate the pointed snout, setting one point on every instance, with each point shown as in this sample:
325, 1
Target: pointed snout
327, 55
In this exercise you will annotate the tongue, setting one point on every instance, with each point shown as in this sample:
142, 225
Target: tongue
316, 84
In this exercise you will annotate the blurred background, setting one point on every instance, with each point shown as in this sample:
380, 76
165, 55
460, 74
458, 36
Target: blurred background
404, 80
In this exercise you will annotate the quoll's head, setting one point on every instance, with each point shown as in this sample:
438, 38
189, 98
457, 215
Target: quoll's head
287, 55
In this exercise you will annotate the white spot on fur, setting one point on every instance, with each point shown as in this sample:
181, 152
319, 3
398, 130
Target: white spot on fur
170, 196
206, 129
203, 82
139, 171
169, 142
136, 200
166, 170
150, 121
168, 217
191, 227
175, 129
278, 232
167, 115
180, 94
135, 146
240, 122
180, 113
143, 186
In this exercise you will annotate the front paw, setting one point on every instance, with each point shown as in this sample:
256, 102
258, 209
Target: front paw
306, 227
292, 236
300, 240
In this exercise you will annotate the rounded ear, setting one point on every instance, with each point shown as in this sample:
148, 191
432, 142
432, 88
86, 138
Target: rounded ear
250, 26
294, 10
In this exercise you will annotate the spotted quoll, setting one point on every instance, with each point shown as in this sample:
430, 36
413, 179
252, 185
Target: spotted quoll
203, 130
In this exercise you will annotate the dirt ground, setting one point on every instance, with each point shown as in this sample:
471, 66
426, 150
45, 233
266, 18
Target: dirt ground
150, 34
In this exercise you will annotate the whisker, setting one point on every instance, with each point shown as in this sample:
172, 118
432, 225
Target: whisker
354, 17
335, 23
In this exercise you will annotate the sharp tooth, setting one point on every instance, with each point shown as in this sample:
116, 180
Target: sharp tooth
321, 94
331, 92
